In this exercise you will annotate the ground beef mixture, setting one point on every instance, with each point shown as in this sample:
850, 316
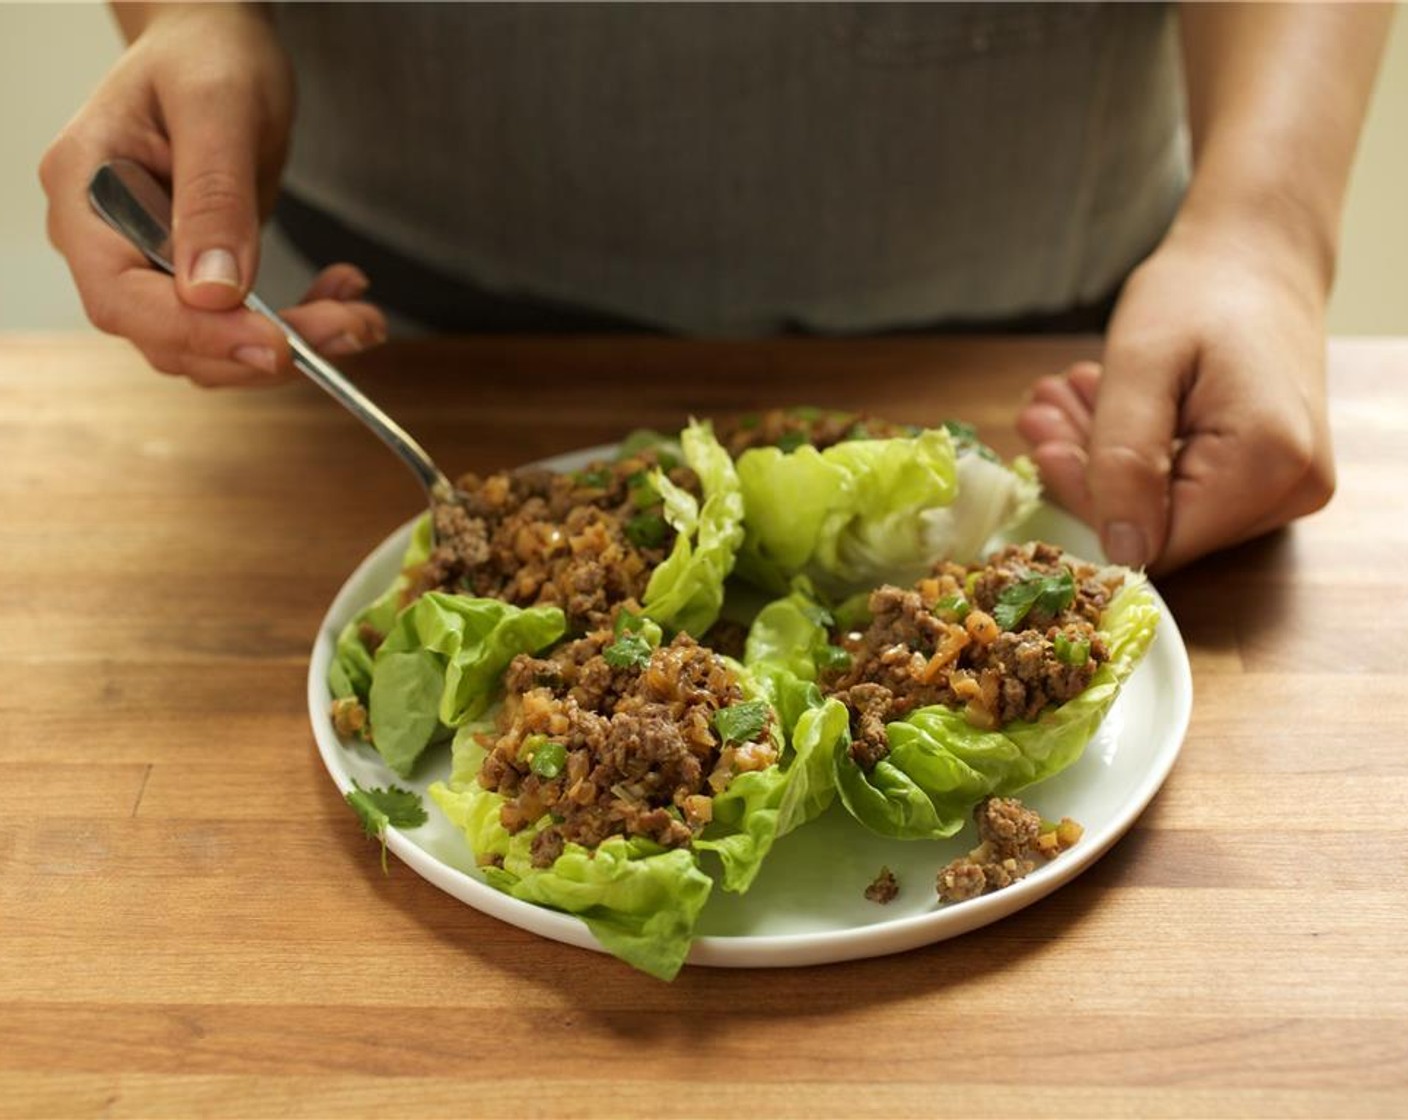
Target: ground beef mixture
1011, 841
884, 889
790, 428
583, 540
631, 750
941, 643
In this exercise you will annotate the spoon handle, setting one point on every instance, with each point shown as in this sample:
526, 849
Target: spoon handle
327, 377
131, 200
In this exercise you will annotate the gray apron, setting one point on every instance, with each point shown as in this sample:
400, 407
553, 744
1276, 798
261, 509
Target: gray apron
750, 168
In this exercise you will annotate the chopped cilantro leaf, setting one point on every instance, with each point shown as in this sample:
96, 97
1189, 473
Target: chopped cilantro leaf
790, 441
629, 651
1050, 594
961, 432
380, 809
965, 438
818, 615
647, 530
743, 722
598, 478
805, 412
832, 658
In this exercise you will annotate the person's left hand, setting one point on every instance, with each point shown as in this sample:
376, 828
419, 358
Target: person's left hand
1207, 424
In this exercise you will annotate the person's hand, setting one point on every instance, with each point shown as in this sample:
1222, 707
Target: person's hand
203, 98
1207, 424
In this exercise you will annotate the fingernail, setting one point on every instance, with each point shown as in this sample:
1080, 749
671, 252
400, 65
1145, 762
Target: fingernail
260, 357
1125, 544
216, 266
341, 344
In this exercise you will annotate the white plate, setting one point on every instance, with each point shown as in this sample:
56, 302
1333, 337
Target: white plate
807, 905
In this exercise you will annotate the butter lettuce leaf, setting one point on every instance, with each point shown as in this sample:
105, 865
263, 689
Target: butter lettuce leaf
439, 667
759, 807
870, 511
845, 517
640, 901
351, 672
686, 590
992, 497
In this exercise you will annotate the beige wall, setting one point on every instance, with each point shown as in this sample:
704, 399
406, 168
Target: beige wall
1371, 292
51, 55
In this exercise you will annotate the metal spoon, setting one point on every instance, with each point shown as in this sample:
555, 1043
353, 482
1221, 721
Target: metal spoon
131, 200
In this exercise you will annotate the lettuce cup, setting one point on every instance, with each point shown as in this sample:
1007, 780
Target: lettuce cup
975, 681
849, 501
529, 557
614, 762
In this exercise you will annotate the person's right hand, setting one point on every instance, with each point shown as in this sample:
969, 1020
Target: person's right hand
204, 98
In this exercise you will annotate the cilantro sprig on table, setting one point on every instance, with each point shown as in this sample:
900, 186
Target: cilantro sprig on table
380, 809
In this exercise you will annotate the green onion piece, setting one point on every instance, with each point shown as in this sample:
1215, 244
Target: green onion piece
741, 723
1071, 652
818, 615
630, 651
832, 658
549, 759
643, 492
598, 478
955, 605
748, 421
790, 441
647, 530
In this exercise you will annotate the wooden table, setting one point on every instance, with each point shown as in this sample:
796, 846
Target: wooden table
191, 923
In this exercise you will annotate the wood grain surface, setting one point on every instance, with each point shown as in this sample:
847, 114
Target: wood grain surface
192, 925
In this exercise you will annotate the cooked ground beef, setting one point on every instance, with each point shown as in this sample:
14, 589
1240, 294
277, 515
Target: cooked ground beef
884, 889
940, 643
584, 541
789, 428
1011, 838
634, 748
